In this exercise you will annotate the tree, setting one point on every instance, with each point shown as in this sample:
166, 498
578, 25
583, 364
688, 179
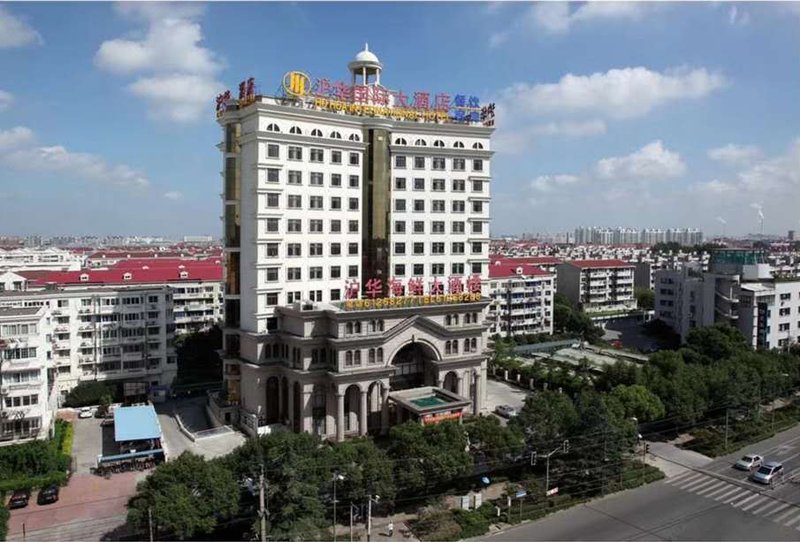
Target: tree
87, 393
198, 360
546, 419
187, 497
367, 470
717, 342
645, 298
639, 402
4, 515
489, 437
428, 456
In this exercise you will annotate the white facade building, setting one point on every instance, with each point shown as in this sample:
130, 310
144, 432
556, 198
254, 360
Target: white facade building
522, 299
39, 259
26, 402
598, 285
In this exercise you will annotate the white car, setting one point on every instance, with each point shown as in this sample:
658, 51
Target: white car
749, 462
85, 413
506, 411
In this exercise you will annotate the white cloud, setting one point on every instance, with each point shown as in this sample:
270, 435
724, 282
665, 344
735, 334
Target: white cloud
498, 38
14, 32
15, 137
173, 195
176, 74
558, 18
735, 155
737, 18
17, 150
547, 183
516, 140
651, 162
714, 187
775, 175
6, 98
617, 93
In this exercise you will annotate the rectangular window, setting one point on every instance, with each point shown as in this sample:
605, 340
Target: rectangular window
336, 203
437, 248
272, 225
352, 226
271, 274
399, 226
353, 183
477, 186
477, 227
400, 183
400, 248
437, 269
317, 155
336, 180
419, 184
336, 272
438, 185
399, 270
438, 206
400, 162
419, 226
419, 162
273, 150
458, 206
336, 249
294, 225
271, 250
477, 206
273, 175
419, 269
477, 248
295, 153
315, 226
315, 202
352, 249
457, 268
336, 157
273, 201
295, 177
459, 164
438, 163
316, 179
477, 165
437, 226
399, 206
294, 250
336, 294
295, 201
291, 297
458, 227
315, 249
419, 248
272, 299
458, 185
336, 226
419, 205
352, 204
294, 273
457, 248
352, 271
315, 273
354, 158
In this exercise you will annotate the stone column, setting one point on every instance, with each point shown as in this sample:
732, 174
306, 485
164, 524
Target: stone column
363, 414
384, 410
460, 384
478, 393
308, 409
339, 417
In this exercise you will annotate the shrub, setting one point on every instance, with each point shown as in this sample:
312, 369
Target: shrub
436, 523
29, 482
86, 394
66, 440
3, 521
475, 522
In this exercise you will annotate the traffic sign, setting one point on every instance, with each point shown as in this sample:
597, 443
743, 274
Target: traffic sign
553, 491
521, 493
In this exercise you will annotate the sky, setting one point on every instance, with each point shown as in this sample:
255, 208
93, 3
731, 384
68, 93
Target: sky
608, 114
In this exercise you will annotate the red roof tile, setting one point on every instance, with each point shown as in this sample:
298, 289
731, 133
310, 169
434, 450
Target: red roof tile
507, 269
599, 264
533, 260
153, 275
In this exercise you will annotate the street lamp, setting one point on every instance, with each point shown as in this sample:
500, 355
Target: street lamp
336, 477
370, 500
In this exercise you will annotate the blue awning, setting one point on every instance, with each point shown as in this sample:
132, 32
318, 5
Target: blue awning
136, 423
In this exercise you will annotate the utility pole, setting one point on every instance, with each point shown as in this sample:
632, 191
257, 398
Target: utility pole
150, 521
336, 476
351, 522
261, 508
369, 514
726, 429
563, 448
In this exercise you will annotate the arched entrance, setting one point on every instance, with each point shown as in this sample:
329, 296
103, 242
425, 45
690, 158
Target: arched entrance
352, 409
374, 407
451, 382
273, 403
410, 366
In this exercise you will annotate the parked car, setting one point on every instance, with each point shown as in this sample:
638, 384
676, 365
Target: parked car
48, 494
768, 473
19, 499
506, 411
749, 462
85, 413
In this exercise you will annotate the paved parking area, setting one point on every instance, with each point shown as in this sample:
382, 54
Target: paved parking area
502, 393
192, 412
91, 439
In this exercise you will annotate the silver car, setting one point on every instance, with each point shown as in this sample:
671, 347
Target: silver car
749, 462
768, 473
506, 411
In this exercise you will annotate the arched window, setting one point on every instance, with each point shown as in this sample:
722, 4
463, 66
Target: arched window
336, 135
477, 145
474, 317
448, 320
473, 344
373, 326
358, 328
455, 347
276, 350
466, 345
380, 355
455, 319
458, 145
273, 128
420, 143
348, 358
357, 358
354, 137
295, 130
400, 141
380, 325
371, 355
438, 143
466, 318
316, 132
447, 347
349, 328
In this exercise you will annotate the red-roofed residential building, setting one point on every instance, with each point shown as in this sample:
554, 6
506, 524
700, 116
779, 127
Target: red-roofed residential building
598, 286
522, 296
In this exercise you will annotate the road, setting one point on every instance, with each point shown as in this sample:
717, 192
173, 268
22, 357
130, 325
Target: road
713, 502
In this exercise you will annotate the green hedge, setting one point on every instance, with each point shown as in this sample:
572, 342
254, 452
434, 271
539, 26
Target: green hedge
30, 482
37, 463
475, 522
3, 521
66, 441
88, 394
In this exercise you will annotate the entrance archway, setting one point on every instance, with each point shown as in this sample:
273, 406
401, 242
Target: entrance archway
410, 366
352, 409
374, 407
273, 416
451, 382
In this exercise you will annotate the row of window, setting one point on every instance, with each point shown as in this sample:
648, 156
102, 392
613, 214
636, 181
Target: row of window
437, 226
110, 301
373, 326
19, 353
24, 400
295, 225
11, 330
436, 143
315, 178
437, 206
315, 203
295, 250
315, 155
316, 132
470, 345
294, 274
437, 185
437, 247
469, 318
438, 163
352, 358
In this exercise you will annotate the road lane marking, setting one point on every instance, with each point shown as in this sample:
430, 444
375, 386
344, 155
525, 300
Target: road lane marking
760, 511
786, 514
729, 497
690, 480
682, 476
744, 501
694, 487
792, 521
755, 503
722, 493
713, 488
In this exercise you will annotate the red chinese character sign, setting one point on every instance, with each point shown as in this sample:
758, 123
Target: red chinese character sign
474, 284
351, 289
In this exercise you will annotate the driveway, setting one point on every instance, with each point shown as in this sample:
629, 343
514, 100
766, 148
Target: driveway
502, 393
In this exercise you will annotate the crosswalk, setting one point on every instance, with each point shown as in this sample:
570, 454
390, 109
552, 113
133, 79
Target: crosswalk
741, 498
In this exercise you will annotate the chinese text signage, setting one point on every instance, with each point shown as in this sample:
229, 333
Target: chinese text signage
431, 419
409, 301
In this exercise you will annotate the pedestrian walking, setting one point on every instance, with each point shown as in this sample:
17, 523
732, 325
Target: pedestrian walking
390, 529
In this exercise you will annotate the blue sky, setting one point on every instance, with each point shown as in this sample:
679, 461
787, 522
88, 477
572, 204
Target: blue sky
629, 114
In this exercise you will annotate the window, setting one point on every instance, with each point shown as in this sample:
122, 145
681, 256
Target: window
477, 248
352, 249
336, 294
371, 355
352, 271
458, 206
458, 227
477, 206
271, 250
459, 164
315, 249
336, 249
271, 274
399, 226
273, 201
457, 268
295, 201
315, 202
438, 163
437, 248
477, 186
353, 181
273, 150
477, 165
400, 162
316, 132
272, 299
400, 183
400, 270
293, 225
400, 141
437, 226
438, 206
315, 273
317, 155
399, 205
419, 226
438, 185
291, 297
273, 128
357, 358
315, 226
354, 137
457, 248
336, 272
380, 355
419, 205
477, 145
348, 358
420, 143
476, 268
437, 269
419, 184
295, 153
354, 158
336, 203
399, 248
419, 162
336, 157
336, 179
352, 226
315, 179
295, 130
294, 273
295, 177
336, 135
352, 204
458, 185
419, 269
336, 226
294, 250
273, 175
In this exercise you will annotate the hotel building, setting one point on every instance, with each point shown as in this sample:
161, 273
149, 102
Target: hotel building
331, 201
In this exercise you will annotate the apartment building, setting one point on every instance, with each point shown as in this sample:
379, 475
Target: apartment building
599, 286
356, 234
522, 298
26, 380
39, 259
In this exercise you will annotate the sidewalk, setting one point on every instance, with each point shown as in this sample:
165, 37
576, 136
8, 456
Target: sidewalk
672, 460
379, 532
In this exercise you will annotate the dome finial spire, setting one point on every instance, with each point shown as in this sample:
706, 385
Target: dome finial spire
366, 46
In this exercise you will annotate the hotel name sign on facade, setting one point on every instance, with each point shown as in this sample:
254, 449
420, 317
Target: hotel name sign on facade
371, 100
